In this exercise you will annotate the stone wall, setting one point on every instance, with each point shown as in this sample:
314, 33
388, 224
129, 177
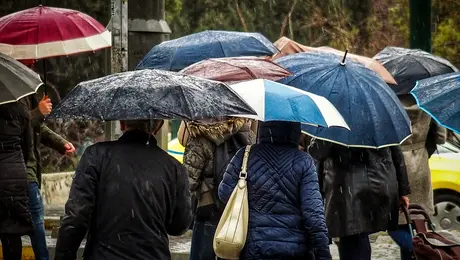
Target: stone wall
55, 188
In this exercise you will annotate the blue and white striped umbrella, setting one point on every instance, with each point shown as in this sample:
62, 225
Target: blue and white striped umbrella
274, 101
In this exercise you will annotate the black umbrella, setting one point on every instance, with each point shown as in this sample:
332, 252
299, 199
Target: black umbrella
149, 94
16, 80
409, 65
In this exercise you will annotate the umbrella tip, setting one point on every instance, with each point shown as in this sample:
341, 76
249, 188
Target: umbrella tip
344, 58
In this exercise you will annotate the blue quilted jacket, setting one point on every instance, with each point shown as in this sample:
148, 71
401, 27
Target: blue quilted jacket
286, 219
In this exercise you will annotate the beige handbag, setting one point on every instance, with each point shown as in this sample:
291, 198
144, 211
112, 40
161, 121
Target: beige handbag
232, 229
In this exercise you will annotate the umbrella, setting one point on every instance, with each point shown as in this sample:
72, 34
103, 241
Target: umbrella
288, 46
277, 102
43, 32
16, 80
408, 65
149, 94
237, 69
440, 97
179, 53
371, 109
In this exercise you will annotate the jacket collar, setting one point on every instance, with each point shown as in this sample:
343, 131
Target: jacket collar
138, 136
281, 133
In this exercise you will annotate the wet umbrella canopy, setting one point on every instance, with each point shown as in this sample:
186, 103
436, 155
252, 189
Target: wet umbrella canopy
409, 65
440, 97
179, 53
149, 94
237, 69
16, 80
371, 109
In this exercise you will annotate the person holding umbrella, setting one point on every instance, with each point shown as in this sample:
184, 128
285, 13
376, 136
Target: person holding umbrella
409, 66
16, 82
363, 173
286, 214
142, 192
41, 134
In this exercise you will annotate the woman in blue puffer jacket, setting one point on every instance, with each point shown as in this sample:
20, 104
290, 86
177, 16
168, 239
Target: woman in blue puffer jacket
286, 212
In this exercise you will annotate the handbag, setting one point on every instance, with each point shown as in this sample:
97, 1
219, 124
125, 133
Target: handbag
231, 232
429, 244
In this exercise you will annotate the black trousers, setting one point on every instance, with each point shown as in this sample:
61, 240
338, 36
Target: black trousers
12, 247
356, 247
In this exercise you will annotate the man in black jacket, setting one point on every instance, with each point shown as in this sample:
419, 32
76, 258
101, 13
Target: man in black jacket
130, 195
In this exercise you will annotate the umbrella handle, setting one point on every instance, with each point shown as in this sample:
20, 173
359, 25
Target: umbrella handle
344, 57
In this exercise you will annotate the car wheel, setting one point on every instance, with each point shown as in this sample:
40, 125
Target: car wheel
447, 210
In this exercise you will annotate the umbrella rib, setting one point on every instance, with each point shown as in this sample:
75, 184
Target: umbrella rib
60, 33
368, 107
183, 94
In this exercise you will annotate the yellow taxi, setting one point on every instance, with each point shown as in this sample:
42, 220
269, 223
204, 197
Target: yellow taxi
445, 177
445, 174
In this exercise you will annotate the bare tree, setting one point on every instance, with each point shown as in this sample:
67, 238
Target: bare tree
240, 15
288, 19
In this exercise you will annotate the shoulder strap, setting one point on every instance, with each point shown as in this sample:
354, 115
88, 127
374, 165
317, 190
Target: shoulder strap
244, 166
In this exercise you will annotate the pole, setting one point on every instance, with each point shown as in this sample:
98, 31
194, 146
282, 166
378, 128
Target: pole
119, 51
147, 28
420, 24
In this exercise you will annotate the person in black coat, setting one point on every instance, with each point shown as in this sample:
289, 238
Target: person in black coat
15, 219
130, 195
363, 189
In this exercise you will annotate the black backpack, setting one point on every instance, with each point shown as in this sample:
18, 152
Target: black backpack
223, 154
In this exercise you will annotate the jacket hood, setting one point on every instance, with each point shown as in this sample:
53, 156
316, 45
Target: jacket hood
218, 132
277, 132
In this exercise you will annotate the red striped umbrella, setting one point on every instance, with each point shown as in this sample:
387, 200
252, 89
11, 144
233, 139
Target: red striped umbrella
43, 32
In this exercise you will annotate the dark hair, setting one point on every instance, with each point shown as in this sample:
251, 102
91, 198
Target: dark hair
145, 125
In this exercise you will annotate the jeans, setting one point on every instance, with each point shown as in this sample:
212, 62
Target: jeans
38, 238
355, 247
12, 247
403, 239
202, 238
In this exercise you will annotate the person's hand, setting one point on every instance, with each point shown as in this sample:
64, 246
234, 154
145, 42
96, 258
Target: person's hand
69, 148
45, 106
404, 200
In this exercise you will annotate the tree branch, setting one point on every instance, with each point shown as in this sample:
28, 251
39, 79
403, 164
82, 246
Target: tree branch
286, 19
240, 15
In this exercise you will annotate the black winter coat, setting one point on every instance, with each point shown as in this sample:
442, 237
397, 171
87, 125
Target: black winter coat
362, 187
15, 218
130, 196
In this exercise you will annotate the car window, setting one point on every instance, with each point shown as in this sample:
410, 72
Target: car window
448, 148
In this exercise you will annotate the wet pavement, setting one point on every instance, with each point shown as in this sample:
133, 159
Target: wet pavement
383, 248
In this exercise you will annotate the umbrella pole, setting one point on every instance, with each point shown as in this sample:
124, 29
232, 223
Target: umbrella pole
44, 76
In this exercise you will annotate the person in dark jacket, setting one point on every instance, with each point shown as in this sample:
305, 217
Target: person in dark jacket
41, 134
203, 152
130, 195
15, 219
286, 213
363, 189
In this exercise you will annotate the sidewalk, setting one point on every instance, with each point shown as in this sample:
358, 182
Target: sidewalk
383, 248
